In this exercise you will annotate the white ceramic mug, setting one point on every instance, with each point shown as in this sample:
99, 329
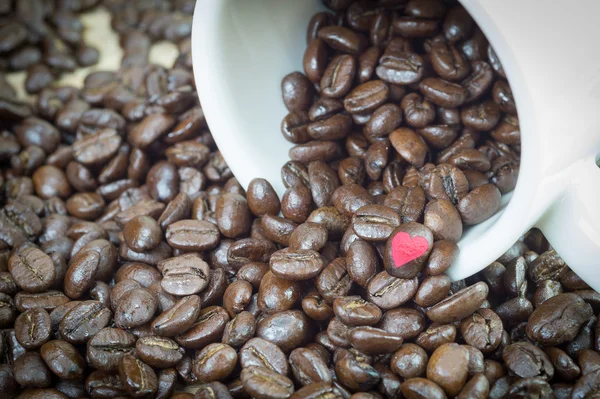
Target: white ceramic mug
549, 50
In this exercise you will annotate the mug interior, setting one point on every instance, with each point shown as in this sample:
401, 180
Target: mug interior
482, 244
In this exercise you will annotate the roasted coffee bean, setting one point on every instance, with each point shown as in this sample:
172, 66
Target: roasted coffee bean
432, 290
47, 300
341, 39
309, 236
399, 67
262, 199
355, 374
374, 341
409, 361
33, 328
138, 378
30, 371
184, 275
548, 266
214, 362
298, 329
263, 383
482, 330
479, 205
297, 91
366, 97
459, 305
443, 219
159, 352
32, 270
81, 273
83, 321
354, 311
301, 264
388, 292
448, 368
411, 147
361, 262
135, 308
448, 62
108, 346
178, 318
375, 222
63, 359
558, 319
525, 360
410, 267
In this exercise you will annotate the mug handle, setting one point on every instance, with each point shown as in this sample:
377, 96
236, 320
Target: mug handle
572, 223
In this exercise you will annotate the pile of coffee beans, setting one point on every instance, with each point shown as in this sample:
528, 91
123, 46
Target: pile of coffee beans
44, 38
133, 264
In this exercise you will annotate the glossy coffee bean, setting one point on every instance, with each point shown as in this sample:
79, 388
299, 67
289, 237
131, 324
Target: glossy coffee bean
263, 383
214, 362
138, 379
63, 359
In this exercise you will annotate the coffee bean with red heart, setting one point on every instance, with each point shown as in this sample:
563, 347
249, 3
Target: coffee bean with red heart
407, 250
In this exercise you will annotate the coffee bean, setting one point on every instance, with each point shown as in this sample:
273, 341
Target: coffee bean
372, 340
341, 39
432, 290
262, 353
33, 328
211, 390
358, 376
138, 378
30, 371
558, 319
338, 76
443, 219
442, 92
63, 359
308, 368
262, 199
263, 383
214, 362
104, 384
135, 308
159, 352
184, 275
354, 311
459, 305
315, 60
479, 205
301, 264
80, 274
208, 328
142, 233
366, 97
526, 360
83, 321
447, 367
388, 292
361, 262
108, 346
296, 333
409, 361
482, 330
47, 300
32, 270
97, 148
297, 91
179, 318
411, 268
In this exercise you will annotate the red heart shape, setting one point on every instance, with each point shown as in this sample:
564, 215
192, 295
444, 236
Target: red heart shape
406, 248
